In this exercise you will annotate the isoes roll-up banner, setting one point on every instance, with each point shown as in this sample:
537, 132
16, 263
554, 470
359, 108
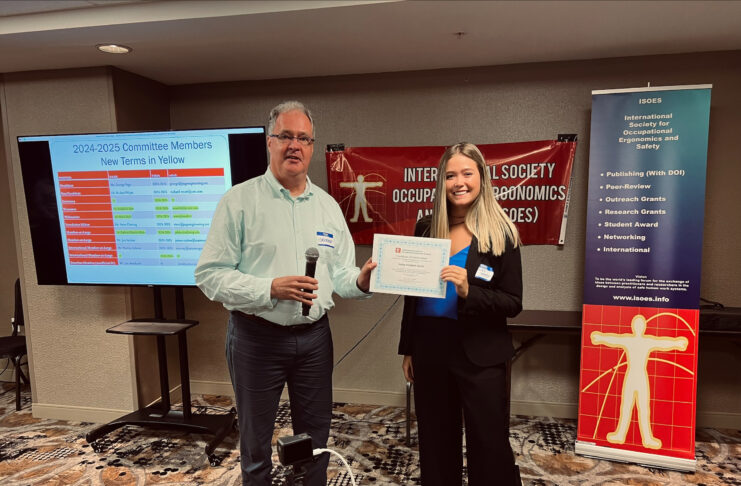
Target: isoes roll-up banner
646, 201
387, 189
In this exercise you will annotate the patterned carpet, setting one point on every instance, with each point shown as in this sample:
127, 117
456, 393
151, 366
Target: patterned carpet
372, 439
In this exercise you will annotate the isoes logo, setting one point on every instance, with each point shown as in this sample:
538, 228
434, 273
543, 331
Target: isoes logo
397, 250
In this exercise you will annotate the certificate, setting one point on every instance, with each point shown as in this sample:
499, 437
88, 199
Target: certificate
408, 265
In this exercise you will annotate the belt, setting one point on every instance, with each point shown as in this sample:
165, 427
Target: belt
287, 328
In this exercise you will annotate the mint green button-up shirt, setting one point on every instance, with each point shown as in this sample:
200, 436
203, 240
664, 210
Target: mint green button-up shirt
260, 232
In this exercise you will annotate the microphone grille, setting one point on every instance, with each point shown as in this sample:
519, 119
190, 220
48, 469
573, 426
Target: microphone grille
312, 254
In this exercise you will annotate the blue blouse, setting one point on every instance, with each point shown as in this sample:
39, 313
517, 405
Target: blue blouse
447, 307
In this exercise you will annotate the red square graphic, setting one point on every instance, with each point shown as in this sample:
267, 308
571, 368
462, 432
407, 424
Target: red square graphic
662, 387
638, 379
586, 425
591, 313
686, 360
684, 391
590, 407
683, 441
684, 412
610, 315
662, 412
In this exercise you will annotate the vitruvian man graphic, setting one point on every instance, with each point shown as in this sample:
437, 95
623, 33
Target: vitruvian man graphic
637, 348
361, 202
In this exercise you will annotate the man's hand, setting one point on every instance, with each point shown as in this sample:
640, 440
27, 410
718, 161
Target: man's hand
363, 281
458, 276
292, 288
407, 368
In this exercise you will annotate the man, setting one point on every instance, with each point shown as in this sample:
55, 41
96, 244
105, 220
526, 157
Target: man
253, 262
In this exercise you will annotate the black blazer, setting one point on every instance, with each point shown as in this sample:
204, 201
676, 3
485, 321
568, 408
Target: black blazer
483, 314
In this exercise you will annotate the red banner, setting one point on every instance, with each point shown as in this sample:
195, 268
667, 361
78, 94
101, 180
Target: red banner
387, 189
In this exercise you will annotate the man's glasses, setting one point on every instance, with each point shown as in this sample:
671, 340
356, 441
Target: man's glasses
284, 138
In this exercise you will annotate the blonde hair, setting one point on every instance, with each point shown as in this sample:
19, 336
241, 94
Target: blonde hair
485, 218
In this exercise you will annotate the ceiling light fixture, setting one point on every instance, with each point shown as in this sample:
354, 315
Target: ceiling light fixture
114, 48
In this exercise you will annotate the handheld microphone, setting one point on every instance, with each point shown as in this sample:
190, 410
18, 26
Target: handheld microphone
312, 255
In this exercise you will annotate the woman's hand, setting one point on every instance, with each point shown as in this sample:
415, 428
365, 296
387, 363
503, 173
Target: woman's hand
406, 366
459, 277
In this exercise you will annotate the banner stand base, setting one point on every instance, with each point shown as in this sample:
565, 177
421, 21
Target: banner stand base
640, 458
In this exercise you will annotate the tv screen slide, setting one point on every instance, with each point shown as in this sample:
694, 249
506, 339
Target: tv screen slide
130, 208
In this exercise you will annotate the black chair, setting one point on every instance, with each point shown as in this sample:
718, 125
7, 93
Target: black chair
13, 347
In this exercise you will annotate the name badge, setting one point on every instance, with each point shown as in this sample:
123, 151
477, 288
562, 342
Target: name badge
484, 273
324, 239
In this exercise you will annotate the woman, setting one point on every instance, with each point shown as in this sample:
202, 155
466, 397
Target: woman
456, 349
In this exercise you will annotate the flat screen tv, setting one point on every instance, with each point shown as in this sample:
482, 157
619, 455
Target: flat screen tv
130, 208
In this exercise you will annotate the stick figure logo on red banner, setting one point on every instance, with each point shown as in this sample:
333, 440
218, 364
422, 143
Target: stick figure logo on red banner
361, 203
637, 348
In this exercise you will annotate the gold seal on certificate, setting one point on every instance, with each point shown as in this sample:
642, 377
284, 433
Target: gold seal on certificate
409, 265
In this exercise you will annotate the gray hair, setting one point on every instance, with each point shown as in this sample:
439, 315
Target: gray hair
289, 106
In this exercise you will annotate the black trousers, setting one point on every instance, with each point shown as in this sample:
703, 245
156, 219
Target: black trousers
449, 390
262, 359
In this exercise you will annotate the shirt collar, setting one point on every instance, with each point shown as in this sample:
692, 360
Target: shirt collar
278, 188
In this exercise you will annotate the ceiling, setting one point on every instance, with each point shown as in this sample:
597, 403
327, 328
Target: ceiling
183, 42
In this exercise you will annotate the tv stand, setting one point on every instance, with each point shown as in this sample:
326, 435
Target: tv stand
160, 415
